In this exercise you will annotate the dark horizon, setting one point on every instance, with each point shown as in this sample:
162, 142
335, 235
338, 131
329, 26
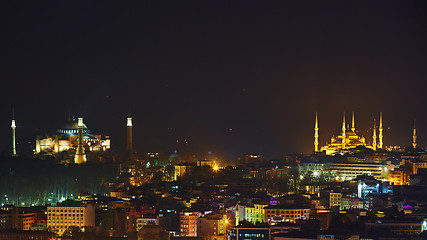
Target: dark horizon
193, 71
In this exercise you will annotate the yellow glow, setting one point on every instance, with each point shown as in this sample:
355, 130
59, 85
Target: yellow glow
348, 140
13, 124
80, 122
215, 168
129, 122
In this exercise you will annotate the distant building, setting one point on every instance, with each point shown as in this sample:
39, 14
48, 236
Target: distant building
285, 213
60, 218
182, 168
398, 227
249, 159
39, 225
417, 165
19, 218
120, 218
399, 176
348, 138
253, 213
188, 224
349, 171
26, 235
316, 168
369, 185
256, 213
146, 220
66, 138
334, 199
250, 233
211, 225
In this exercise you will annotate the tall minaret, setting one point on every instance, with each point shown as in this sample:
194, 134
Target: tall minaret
80, 156
316, 135
374, 136
13, 126
414, 136
380, 132
129, 146
343, 131
353, 129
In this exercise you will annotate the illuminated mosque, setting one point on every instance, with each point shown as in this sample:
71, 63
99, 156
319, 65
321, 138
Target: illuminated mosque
348, 138
67, 138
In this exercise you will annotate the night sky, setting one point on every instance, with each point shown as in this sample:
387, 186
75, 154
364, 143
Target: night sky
230, 77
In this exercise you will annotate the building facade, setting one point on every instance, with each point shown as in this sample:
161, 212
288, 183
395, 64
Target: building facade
66, 138
212, 225
349, 171
276, 213
60, 218
348, 138
188, 224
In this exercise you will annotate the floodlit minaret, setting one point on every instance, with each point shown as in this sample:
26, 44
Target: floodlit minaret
80, 152
13, 126
129, 146
343, 131
380, 132
353, 129
414, 137
316, 135
374, 137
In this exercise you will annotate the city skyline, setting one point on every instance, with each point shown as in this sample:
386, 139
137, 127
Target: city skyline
184, 147
213, 120
226, 78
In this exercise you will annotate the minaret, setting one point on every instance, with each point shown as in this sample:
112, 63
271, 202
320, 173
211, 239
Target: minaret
353, 129
343, 131
80, 156
56, 146
316, 135
129, 146
374, 137
380, 132
13, 126
414, 137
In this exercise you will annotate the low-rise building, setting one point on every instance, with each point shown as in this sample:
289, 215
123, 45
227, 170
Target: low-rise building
250, 233
349, 171
62, 217
212, 225
188, 223
399, 176
253, 213
334, 199
19, 218
285, 213
401, 227
417, 165
146, 220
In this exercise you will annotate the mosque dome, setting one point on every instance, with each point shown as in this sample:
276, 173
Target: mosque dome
71, 128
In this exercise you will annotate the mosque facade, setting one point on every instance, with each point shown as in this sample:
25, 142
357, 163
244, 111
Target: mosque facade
348, 138
66, 138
